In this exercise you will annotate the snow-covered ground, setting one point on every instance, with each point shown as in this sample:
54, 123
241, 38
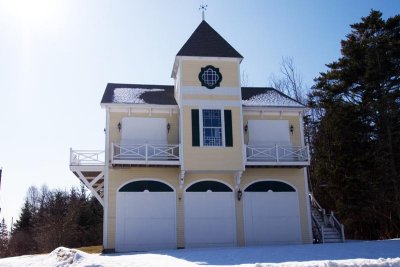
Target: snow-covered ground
372, 253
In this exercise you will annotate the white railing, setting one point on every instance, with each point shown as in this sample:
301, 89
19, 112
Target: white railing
86, 157
339, 227
284, 155
318, 230
145, 154
328, 219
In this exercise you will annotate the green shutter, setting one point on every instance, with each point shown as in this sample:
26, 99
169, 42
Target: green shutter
195, 128
228, 128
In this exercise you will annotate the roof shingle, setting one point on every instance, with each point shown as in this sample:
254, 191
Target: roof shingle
206, 42
164, 95
139, 94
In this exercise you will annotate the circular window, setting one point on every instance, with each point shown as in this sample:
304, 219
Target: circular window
210, 77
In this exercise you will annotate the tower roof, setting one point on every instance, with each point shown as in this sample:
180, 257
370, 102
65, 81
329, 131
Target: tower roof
206, 42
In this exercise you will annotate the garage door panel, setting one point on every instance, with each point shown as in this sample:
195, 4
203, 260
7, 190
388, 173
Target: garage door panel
276, 229
145, 221
209, 204
209, 218
160, 206
210, 232
271, 217
275, 204
153, 230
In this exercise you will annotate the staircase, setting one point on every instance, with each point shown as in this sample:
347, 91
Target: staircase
326, 228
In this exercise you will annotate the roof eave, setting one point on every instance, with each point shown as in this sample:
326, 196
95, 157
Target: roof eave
133, 105
275, 108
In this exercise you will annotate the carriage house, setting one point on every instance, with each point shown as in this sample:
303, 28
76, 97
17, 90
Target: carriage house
203, 162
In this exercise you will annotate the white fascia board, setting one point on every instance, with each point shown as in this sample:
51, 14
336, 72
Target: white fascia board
175, 66
231, 59
274, 110
141, 107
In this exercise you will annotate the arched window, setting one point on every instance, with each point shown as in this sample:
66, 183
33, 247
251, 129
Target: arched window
265, 186
151, 186
212, 186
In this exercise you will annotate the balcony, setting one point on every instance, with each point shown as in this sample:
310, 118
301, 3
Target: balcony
276, 155
87, 157
88, 166
145, 154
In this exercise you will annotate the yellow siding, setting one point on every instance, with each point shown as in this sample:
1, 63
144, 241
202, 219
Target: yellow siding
213, 158
228, 69
212, 97
295, 137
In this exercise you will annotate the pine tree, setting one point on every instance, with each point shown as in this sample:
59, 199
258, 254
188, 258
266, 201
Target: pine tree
25, 220
356, 149
21, 241
4, 239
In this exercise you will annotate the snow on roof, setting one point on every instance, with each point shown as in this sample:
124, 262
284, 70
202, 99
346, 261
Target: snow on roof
164, 95
271, 98
132, 95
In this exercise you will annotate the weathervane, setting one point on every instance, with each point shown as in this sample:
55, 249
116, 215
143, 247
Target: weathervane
202, 8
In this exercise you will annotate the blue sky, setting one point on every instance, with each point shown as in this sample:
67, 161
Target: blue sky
56, 58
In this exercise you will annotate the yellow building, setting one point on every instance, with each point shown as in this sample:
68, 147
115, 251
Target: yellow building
204, 162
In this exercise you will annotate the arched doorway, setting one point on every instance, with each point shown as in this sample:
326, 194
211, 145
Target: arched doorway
145, 216
271, 213
209, 215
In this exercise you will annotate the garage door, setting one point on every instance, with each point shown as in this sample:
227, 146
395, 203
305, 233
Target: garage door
271, 214
209, 215
146, 212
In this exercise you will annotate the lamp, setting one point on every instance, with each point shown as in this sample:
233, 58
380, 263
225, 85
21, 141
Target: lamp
291, 128
246, 127
119, 126
239, 194
168, 127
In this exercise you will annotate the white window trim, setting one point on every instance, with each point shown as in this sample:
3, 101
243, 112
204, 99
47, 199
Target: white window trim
222, 126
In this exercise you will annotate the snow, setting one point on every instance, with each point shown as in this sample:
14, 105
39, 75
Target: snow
355, 254
270, 98
131, 95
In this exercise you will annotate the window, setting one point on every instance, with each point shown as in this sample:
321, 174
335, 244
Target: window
274, 186
205, 186
210, 77
212, 127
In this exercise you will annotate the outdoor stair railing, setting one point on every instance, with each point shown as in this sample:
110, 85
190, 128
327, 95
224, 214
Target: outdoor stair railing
318, 230
328, 220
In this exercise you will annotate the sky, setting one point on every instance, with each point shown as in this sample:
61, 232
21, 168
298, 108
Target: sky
57, 56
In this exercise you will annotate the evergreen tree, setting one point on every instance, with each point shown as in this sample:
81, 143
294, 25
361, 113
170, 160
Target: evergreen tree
21, 241
4, 239
356, 148
25, 219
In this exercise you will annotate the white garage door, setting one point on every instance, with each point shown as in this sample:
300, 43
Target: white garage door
271, 214
209, 215
146, 212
